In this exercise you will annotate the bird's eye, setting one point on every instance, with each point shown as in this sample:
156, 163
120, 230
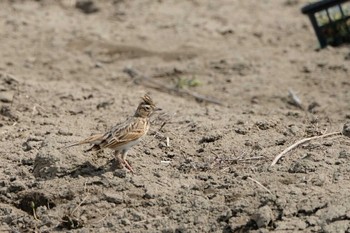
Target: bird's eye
147, 107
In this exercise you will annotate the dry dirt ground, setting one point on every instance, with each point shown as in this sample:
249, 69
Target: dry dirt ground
63, 77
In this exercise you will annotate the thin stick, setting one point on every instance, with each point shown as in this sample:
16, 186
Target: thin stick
34, 211
164, 123
251, 158
103, 218
151, 83
301, 142
262, 186
153, 219
75, 209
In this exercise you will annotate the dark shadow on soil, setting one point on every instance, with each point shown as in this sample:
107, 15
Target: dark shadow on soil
87, 169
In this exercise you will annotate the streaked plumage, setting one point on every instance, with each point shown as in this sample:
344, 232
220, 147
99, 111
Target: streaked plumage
123, 136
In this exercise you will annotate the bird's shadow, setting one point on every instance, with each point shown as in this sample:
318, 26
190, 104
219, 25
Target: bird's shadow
87, 169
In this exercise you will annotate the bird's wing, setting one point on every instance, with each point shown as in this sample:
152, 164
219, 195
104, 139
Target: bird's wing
123, 135
119, 135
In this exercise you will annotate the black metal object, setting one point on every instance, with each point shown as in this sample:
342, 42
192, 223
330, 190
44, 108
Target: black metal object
331, 21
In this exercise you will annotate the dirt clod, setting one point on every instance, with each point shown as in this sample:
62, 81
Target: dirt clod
71, 223
344, 154
113, 197
86, 6
210, 138
263, 217
346, 129
29, 201
45, 165
302, 166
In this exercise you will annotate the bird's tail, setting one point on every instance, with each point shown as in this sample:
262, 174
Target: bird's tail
71, 145
90, 140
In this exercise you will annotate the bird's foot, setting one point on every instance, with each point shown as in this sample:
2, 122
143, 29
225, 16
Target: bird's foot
127, 166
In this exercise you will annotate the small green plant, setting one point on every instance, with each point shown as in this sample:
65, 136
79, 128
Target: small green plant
184, 82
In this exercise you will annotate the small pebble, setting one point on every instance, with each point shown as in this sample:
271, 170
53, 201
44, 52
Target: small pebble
120, 173
64, 132
346, 129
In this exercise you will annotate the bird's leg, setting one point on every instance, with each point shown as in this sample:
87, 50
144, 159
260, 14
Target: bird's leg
118, 159
127, 165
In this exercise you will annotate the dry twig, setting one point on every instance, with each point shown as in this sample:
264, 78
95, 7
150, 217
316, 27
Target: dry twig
153, 219
233, 160
152, 83
262, 186
103, 218
76, 208
34, 211
301, 142
162, 126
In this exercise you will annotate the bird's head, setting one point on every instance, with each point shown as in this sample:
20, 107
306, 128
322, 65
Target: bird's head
146, 107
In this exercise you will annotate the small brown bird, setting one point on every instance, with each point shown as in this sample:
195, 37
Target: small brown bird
123, 136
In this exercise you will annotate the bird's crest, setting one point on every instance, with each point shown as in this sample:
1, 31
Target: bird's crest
147, 100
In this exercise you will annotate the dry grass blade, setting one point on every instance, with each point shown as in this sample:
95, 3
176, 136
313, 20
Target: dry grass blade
262, 186
153, 219
279, 156
76, 208
167, 142
34, 211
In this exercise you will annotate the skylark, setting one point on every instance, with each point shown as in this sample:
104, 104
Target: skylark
124, 135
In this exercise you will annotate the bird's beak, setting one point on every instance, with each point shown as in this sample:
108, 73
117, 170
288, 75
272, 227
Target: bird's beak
158, 109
